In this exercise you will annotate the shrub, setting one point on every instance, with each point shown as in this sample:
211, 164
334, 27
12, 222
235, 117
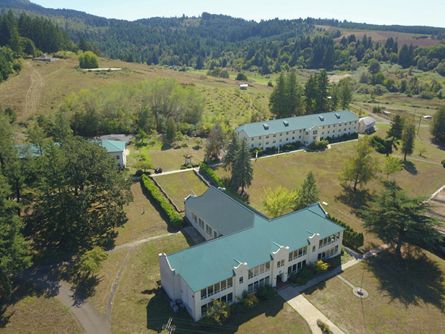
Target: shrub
323, 327
249, 301
210, 175
88, 60
218, 312
241, 77
351, 238
266, 292
303, 276
153, 192
270, 83
443, 163
321, 266
318, 145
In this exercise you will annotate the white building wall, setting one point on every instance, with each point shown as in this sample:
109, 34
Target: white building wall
177, 288
305, 136
120, 158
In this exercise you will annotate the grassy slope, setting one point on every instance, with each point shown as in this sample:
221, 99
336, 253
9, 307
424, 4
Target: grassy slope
40, 315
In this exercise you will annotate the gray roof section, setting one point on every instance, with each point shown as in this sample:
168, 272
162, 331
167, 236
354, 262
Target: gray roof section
221, 212
296, 123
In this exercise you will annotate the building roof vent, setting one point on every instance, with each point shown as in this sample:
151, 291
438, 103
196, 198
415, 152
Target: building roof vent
266, 126
337, 115
321, 118
286, 123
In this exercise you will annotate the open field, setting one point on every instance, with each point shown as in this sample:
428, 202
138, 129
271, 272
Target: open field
143, 219
422, 178
382, 36
40, 315
140, 306
179, 185
41, 87
407, 297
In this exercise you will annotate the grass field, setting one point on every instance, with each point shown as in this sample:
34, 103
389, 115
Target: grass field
424, 176
40, 315
407, 297
143, 219
179, 185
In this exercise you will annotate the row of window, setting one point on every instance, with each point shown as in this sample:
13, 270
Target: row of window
327, 254
329, 240
297, 253
296, 267
258, 270
204, 226
215, 288
226, 299
280, 263
258, 284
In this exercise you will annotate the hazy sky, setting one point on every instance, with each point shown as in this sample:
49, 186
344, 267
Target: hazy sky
406, 12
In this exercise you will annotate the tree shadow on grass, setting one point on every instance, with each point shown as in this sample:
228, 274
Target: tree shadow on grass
159, 312
84, 289
410, 167
357, 200
410, 280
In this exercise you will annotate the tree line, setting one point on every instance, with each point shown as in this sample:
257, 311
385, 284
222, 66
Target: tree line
289, 98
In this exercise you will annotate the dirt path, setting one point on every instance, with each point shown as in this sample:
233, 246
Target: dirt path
34, 92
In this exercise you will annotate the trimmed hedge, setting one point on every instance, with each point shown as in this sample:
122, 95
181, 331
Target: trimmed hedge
351, 238
206, 171
162, 204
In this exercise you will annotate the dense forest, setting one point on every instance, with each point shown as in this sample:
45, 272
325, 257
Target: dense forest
218, 41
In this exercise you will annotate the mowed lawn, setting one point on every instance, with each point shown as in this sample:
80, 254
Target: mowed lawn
143, 219
140, 305
179, 185
407, 297
424, 176
40, 315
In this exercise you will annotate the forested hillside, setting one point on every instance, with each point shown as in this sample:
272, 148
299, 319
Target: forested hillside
26, 35
219, 41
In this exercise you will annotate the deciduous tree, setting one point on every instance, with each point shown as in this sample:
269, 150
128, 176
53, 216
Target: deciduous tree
215, 143
279, 201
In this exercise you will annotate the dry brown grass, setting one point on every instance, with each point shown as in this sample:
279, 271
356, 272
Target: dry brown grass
40, 315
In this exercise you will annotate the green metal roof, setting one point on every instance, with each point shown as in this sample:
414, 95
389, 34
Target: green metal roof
296, 123
222, 213
112, 145
213, 261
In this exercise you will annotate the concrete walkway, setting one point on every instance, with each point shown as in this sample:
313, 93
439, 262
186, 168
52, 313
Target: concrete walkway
311, 314
176, 171
136, 243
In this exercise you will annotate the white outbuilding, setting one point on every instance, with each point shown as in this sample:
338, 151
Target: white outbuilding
366, 125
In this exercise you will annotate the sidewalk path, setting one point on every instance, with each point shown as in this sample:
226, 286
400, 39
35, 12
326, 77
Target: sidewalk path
311, 314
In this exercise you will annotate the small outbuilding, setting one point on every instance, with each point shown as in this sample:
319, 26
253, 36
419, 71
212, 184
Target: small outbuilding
244, 86
366, 125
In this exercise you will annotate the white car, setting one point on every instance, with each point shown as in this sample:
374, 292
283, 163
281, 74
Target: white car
427, 117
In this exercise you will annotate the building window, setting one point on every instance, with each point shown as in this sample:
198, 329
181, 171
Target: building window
280, 263
201, 223
117, 157
313, 248
241, 280
208, 230
258, 270
203, 293
230, 298
229, 282
195, 219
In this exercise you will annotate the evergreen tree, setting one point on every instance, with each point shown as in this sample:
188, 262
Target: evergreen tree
398, 219
396, 127
242, 171
310, 93
345, 93
278, 99
322, 92
408, 137
294, 96
438, 126
14, 250
232, 152
308, 193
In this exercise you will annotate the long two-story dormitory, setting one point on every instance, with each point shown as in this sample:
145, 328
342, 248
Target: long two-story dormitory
305, 129
244, 250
